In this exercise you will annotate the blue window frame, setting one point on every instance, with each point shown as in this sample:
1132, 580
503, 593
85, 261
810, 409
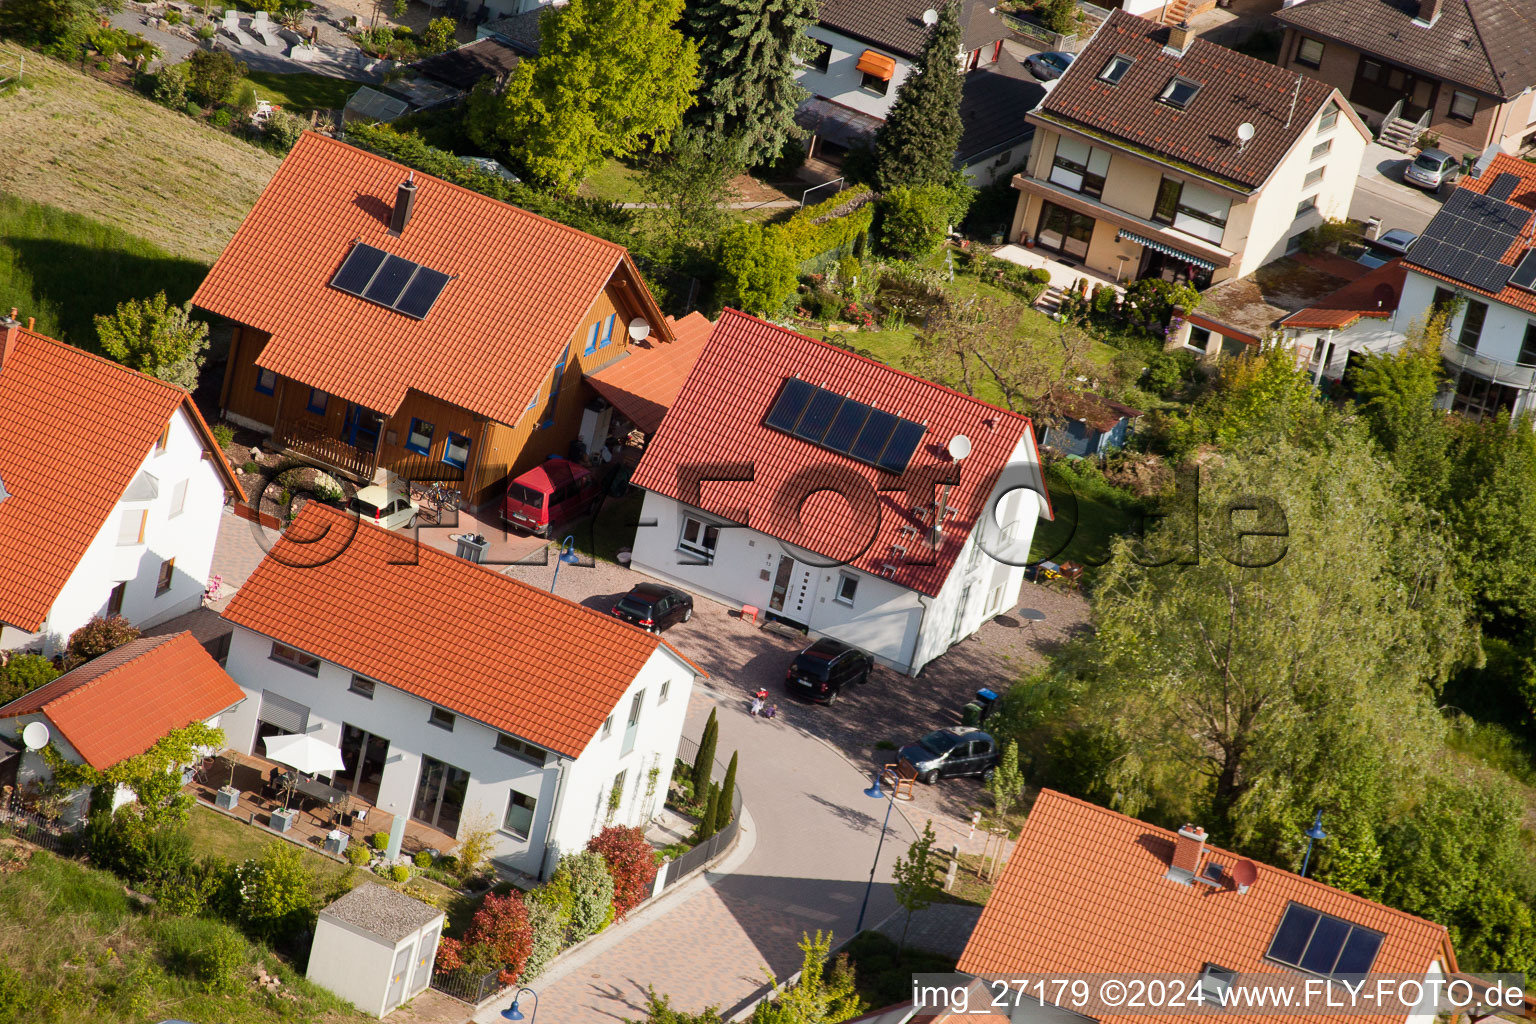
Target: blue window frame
317, 401
419, 440
608, 330
554, 386
456, 451
592, 339
266, 381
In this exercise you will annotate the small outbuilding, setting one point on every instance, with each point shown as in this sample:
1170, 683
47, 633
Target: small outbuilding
375, 947
1091, 425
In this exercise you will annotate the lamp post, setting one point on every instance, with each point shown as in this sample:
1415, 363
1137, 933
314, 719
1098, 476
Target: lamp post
568, 556
875, 792
513, 1013
1313, 834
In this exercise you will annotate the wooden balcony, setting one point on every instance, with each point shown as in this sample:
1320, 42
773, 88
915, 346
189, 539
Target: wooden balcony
315, 445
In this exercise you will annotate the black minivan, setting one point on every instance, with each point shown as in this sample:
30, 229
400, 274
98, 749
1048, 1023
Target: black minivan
654, 607
820, 672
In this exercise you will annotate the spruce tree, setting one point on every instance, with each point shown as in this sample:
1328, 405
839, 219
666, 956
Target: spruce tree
727, 788
704, 763
711, 809
916, 144
749, 51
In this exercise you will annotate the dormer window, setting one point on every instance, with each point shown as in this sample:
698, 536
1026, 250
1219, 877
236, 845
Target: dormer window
1115, 70
1215, 982
1179, 92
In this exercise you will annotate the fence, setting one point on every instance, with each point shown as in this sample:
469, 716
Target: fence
703, 854
472, 989
49, 833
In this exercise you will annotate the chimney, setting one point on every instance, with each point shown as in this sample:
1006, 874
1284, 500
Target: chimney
405, 199
1179, 37
1188, 848
10, 330
1429, 11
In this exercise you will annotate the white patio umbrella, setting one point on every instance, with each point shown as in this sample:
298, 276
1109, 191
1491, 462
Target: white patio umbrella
308, 753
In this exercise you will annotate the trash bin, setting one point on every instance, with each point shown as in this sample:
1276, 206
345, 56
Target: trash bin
471, 546
971, 715
986, 700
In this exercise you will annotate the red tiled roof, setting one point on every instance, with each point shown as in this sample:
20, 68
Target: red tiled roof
521, 285
74, 429
1524, 195
118, 705
644, 384
1234, 88
718, 418
1374, 294
1084, 892
451, 632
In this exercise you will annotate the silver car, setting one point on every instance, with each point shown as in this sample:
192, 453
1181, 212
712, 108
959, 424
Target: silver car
375, 504
1389, 246
1431, 169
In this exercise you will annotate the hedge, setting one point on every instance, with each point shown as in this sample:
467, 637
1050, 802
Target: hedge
758, 265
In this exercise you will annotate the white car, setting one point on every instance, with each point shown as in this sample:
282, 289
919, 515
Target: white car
376, 504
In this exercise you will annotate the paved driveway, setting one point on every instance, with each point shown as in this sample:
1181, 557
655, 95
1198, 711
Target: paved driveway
1380, 192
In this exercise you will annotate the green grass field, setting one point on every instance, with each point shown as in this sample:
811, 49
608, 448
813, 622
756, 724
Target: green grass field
302, 91
1084, 528
236, 841
63, 268
75, 947
615, 180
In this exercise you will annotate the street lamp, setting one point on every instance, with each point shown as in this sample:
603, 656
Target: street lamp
513, 1013
1313, 834
568, 556
877, 793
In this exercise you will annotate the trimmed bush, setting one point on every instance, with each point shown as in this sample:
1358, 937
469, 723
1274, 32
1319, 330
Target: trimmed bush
380, 841
591, 893
501, 924
400, 873
549, 920
912, 222
276, 892
423, 859
631, 862
98, 636
222, 118
358, 854
223, 434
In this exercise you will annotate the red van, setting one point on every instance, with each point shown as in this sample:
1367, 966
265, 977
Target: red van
555, 491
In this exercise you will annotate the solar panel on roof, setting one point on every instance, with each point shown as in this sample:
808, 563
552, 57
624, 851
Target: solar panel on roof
791, 403
358, 268
1322, 943
1504, 185
394, 282
1468, 238
1359, 952
903, 443
1525, 271
827, 419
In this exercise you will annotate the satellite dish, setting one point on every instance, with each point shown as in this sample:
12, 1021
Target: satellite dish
930, 17
35, 736
1244, 873
959, 447
1245, 132
639, 329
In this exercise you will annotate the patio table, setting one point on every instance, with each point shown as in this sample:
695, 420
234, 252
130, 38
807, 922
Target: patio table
320, 792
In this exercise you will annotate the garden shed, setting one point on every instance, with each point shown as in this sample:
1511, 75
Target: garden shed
375, 947
1091, 425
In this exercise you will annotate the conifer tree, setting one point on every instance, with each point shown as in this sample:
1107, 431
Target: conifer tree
749, 51
727, 788
704, 763
916, 144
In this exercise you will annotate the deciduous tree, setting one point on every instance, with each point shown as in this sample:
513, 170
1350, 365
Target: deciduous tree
690, 185
749, 56
916, 886
1007, 781
916, 144
825, 994
97, 637
155, 337
212, 74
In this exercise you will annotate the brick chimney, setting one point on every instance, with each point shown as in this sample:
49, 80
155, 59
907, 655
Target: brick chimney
10, 330
405, 202
1179, 37
1188, 849
1429, 10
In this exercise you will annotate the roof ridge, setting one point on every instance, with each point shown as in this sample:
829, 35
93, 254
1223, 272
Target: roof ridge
145, 645
729, 311
1057, 796
444, 181
1477, 30
39, 336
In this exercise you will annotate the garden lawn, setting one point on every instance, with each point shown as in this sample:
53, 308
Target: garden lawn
63, 268
302, 90
156, 174
1085, 525
236, 841
615, 180
74, 946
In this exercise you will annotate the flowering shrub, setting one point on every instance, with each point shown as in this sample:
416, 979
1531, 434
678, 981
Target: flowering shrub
856, 314
276, 891
501, 926
631, 862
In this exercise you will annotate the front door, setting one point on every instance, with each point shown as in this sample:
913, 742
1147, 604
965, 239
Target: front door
1379, 86
440, 795
1064, 231
362, 756
791, 590
361, 428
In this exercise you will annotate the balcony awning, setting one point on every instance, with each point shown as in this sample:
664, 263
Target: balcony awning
1164, 247
877, 64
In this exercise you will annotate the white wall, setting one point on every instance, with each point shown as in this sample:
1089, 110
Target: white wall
1368, 334
403, 720
189, 538
894, 624
840, 82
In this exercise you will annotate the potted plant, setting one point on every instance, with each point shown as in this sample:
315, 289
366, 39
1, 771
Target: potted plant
1029, 241
228, 797
282, 819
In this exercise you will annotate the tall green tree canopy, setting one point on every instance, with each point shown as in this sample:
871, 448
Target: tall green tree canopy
611, 77
916, 144
749, 51
156, 337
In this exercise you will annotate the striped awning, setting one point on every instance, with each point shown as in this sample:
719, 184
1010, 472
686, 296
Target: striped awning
877, 64
1164, 247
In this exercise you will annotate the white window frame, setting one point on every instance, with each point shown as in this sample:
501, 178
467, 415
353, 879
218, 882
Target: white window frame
178, 499
506, 817
442, 718
132, 525
699, 548
661, 695
1301, 49
294, 658
1321, 150
607, 728
521, 749
1114, 70
843, 579
1450, 110
1314, 176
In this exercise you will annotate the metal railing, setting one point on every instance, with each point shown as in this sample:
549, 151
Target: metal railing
471, 988
1496, 371
702, 855
17, 822
310, 442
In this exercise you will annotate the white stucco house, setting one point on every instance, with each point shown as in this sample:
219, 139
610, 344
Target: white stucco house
111, 489
1477, 253
455, 693
867, 48
818, 487
1358, 318
114, 707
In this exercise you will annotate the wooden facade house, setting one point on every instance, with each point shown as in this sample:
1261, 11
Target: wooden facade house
392, 321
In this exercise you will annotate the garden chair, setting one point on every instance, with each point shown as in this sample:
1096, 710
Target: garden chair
261, 25
231, 28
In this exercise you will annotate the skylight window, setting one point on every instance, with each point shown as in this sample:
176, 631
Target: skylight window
1215, 982
1179, 92
1115, 70
1319, 943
